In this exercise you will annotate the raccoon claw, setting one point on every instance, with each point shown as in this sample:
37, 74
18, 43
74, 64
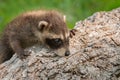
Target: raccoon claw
72, 32
24, 55
27, 53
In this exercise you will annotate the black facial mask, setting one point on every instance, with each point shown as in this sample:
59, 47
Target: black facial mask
54, 43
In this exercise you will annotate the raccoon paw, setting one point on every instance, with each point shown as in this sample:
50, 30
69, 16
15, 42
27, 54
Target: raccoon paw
23, 54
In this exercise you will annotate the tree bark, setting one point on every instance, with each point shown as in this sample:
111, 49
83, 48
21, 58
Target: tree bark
95, 54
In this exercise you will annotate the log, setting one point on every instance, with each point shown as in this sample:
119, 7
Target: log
95, 54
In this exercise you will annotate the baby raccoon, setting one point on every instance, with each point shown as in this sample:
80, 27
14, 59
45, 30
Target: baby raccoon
45, 27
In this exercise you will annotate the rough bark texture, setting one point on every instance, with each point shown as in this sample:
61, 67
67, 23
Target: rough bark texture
95, 54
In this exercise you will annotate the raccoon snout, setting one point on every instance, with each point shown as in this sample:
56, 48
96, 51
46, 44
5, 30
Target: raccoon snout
67, 53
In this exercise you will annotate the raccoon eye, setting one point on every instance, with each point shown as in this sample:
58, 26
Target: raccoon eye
54, 43
58, 41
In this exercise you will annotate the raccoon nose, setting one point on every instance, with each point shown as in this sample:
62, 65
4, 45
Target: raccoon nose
67, 53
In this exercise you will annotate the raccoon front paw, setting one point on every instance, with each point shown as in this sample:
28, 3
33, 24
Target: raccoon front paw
72, 32
23, 54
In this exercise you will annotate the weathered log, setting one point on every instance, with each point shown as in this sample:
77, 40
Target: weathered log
95, 54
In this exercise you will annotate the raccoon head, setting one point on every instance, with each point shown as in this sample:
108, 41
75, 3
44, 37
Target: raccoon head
53, 32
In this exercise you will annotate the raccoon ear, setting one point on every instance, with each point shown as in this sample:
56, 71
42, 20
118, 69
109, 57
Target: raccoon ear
42, 25
64, 18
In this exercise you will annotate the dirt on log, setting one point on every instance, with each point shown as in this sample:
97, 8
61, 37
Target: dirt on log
95, 54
